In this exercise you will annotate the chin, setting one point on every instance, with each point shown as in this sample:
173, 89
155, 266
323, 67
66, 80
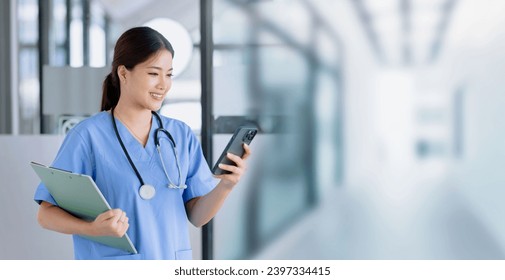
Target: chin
155, 107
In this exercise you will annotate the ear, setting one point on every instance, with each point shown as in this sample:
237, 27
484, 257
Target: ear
121, 73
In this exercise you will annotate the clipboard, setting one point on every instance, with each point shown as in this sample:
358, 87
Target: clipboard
79, 195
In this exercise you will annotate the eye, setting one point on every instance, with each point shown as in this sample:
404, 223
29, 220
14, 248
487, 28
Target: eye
153, 74
170, 75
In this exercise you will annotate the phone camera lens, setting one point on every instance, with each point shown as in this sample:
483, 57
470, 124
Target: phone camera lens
250, 135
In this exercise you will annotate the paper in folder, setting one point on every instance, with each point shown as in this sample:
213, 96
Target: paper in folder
79, 195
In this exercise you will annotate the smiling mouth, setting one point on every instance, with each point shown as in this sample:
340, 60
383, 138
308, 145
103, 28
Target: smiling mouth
157, 96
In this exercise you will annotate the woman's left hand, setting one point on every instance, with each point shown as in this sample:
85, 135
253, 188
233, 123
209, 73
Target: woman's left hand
236, 171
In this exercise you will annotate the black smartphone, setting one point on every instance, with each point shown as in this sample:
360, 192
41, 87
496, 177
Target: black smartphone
243, 134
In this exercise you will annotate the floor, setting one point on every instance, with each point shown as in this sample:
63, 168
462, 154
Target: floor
412, 216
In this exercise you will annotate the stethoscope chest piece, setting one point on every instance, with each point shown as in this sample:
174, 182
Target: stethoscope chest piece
147, 192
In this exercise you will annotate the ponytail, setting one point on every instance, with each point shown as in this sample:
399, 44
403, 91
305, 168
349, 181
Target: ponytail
110, 93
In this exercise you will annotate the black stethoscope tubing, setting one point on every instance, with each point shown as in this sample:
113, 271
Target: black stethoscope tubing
157, 143
124, 149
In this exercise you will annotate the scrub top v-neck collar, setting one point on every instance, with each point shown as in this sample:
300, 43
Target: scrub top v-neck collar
135, 148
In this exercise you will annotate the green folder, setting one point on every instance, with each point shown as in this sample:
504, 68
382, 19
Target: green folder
79, 195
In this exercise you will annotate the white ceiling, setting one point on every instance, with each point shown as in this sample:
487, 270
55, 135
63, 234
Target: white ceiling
134, 12
406, 32
403, 32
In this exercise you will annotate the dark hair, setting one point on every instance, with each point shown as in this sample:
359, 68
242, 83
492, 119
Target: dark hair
134, 46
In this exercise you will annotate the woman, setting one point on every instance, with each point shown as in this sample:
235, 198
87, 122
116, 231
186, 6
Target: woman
154, 194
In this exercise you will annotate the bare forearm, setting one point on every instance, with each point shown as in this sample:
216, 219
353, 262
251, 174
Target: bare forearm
54, 218
202, 209
113, 222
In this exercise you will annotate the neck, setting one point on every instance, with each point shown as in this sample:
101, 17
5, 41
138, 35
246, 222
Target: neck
138, 121
133, 115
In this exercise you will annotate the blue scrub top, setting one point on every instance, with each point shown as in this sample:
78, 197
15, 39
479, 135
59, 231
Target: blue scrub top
158, 227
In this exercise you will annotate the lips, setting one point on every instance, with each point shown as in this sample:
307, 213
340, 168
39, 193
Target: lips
157, 95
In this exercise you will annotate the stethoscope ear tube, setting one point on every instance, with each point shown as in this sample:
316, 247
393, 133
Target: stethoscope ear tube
124, 148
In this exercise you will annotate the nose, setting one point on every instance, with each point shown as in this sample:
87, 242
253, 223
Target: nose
164, 84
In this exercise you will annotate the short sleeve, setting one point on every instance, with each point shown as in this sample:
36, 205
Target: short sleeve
74, 155
200, 180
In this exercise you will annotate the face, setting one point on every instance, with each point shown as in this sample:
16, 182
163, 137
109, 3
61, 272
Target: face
146, 85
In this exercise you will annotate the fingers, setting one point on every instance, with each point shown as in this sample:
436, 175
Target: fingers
113, 223
233, 169
122, 227
247, 151
114, 215
110, 214
236, 159
117, 215
239, 166
121, 217
236, 171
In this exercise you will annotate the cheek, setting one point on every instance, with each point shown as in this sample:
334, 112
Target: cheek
149, 84
145, 83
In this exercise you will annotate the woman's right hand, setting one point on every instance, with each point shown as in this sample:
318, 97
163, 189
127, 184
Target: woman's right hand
110, 223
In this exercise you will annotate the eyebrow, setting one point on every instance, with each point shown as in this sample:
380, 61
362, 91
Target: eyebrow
159, 68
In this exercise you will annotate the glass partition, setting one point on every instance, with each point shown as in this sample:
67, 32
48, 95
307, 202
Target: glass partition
268, 72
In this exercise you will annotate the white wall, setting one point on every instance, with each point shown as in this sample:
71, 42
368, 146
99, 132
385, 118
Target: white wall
475, 59
359, 72
21, 237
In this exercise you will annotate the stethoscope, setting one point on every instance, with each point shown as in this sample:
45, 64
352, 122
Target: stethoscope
147, 191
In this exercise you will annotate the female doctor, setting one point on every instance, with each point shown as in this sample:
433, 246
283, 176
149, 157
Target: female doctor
154, 192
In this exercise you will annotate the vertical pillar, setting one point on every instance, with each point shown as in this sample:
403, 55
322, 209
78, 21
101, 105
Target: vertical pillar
5, 62
43, 44
206, 51
86, 22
